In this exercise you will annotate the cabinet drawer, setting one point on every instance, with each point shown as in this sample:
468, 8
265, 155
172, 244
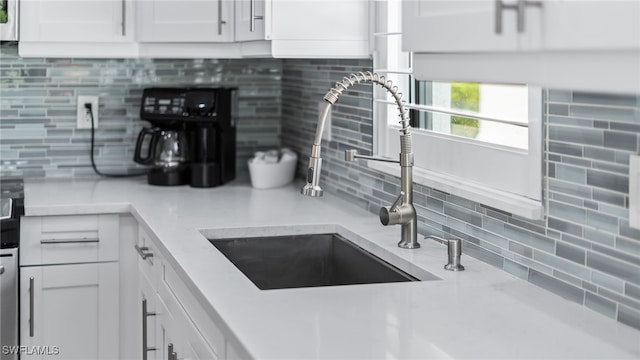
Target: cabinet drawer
68, 239
173, 289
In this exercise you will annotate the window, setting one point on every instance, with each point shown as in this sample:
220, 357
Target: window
477, 140
491, 113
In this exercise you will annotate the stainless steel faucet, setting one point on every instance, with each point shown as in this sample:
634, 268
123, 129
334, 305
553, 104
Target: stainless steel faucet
401, 212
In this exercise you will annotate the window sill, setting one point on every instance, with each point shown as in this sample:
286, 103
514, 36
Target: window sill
511, 203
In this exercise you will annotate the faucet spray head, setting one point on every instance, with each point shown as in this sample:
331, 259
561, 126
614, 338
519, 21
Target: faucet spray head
312, 188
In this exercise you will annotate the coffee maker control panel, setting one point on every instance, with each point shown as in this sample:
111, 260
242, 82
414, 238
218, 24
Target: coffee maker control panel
154, 105
179, 104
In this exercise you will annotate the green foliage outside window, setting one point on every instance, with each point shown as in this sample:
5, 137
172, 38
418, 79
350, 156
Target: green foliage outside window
465, 96
4, 16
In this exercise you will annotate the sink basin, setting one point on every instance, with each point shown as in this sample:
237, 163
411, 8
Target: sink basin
306, 261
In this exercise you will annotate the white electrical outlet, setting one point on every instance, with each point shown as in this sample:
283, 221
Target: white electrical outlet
83, 114
326, 132
634, 191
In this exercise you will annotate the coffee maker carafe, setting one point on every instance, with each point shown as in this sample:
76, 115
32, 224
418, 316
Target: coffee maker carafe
167, 152
193, 139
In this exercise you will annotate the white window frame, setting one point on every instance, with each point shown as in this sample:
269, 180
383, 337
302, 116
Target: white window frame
501, 177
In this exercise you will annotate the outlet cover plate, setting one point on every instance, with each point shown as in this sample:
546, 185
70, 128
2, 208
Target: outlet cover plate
634, 191
83, 118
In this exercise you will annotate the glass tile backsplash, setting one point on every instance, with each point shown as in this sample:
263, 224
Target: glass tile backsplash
38, 135
584, 250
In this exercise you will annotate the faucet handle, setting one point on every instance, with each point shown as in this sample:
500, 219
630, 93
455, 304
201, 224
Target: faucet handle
397, 213
396, 203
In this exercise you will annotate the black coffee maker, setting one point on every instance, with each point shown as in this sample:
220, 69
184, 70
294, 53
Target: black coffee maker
198, 120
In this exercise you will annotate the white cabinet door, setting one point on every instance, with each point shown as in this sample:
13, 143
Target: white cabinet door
318, 29
448, 26
188, 341
250, 20
169, 338
76, 21
169, 21
195, 347
590, 25
177, 333
549, 25
69, 311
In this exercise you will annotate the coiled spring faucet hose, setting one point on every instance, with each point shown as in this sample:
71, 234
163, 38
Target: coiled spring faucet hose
331, 97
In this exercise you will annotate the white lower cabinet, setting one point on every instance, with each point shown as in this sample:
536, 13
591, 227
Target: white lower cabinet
173, 324
179, 330
69, 287
98, 287
69, 311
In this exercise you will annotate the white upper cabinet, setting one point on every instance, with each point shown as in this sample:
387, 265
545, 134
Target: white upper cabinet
510, 25
185, 21
306, 28
447, 26
88, 20
88, 28
311, 28
576, 44
195, 28
589, 25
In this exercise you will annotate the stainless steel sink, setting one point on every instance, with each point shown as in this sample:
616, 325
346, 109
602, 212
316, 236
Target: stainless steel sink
306, 261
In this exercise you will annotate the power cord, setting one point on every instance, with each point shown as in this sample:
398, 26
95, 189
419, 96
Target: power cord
93, 163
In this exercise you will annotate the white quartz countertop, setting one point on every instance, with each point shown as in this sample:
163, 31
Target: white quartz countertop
482, 312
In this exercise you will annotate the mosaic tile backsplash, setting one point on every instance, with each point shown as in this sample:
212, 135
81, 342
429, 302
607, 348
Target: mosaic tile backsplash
38, 135
584, 250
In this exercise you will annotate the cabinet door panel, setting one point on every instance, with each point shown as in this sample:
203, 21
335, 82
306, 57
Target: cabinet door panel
62, 21
442, 26
185, 21
73, 310
174, 290
168, 335
193, 344
590, 25
318, 20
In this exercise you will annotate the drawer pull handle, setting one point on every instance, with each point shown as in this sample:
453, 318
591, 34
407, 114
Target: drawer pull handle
220, 21
519, 7
124, 17
253, 16
79, 241
31, 299
142, 251
145, 315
